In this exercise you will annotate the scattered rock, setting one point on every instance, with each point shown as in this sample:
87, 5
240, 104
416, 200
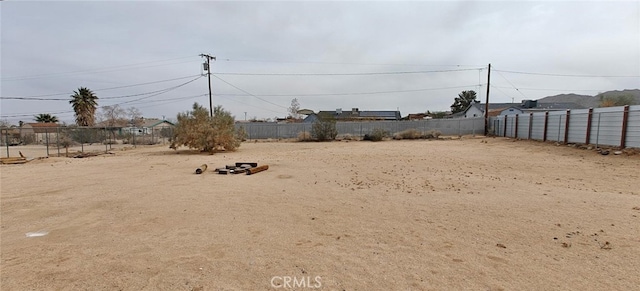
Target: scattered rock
566, 245
605, 246
604, 153
617, 153
501, 246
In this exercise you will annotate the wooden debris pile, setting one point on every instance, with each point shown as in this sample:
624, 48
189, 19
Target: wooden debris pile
237, 168
18, 160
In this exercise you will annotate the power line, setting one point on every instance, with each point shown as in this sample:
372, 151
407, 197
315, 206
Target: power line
240, 89
514, 86
97, 90
100, 70
337, 63
355, 93
161, 91
555, 89
345, 74
108, 97
566, 75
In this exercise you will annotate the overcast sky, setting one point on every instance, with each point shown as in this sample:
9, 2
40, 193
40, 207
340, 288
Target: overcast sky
411, 56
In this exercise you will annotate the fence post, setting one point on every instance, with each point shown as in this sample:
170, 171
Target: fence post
546, 125
588, 135
459, 128
46, 138
530, 125
598, 130
566, 127
505, 126
625, 123
473, 126
515, 134
6, 136
559, 125
58, 139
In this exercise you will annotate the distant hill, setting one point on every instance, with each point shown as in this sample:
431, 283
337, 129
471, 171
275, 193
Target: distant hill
590, 101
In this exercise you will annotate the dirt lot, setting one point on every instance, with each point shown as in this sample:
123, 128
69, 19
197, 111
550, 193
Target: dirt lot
482, 214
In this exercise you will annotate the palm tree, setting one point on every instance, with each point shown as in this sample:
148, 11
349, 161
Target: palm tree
84, 104
46, 118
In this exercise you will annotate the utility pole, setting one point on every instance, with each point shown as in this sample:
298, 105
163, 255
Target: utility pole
486, 104
208, 68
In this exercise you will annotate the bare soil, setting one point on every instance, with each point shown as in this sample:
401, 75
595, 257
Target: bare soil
474, 213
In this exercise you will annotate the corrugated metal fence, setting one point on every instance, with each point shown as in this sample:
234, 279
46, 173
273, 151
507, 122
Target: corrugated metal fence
611, 126
463, 126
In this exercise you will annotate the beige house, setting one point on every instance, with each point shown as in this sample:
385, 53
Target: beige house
39, 132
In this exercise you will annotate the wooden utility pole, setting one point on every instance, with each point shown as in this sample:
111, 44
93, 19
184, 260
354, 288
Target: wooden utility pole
486, 104
208, 67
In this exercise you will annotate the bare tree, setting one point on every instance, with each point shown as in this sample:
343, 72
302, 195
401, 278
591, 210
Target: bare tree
113, 116
135, 116
294, 108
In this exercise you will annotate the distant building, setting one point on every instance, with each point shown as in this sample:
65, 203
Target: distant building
527, 106
354, 115
40, 132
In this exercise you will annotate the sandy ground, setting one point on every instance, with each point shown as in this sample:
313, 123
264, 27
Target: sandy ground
478, 214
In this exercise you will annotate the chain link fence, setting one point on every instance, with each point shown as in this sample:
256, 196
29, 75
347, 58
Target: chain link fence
62, 140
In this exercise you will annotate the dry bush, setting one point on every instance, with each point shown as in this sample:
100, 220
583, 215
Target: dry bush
377, 134
432, 134
346, 137
304, 136
408, 134
196, 129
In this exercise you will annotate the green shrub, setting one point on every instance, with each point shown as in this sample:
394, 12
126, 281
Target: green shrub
196, 129
324, 130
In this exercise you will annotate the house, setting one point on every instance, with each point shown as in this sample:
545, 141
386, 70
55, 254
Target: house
527, 106
10, 136
354, 115
39, 132
417, 116
475, 109
148, 126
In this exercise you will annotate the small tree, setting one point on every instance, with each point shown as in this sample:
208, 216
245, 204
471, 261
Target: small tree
324, 129
464, 99
294, 108
196, 129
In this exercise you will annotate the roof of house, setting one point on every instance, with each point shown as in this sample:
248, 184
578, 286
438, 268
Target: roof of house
154, 122
360, 115
43, 127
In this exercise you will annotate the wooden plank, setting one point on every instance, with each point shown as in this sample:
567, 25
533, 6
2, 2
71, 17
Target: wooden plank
257, 169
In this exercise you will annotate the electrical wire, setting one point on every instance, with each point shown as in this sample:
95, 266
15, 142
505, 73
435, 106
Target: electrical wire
514, 86
566, 75
344, 74
100, 70
355, 93
333, 63
242, 90
38, 97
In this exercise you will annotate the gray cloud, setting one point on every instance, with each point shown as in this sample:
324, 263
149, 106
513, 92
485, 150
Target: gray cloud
56, 47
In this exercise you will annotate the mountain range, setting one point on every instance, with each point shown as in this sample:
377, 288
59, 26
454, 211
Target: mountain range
591, 101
